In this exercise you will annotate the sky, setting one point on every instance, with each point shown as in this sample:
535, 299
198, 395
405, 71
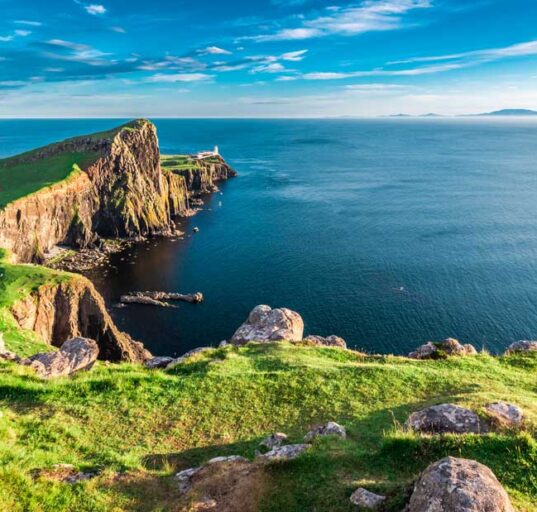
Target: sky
265, 58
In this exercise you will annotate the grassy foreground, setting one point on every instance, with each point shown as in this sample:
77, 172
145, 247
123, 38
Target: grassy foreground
139, 427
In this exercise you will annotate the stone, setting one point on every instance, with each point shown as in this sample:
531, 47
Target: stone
505, 415
266, 324
287, 452
184, 479
442, 349
329, 341
366, 499
522, 346
158, 362
75, 355
273, 441
184, 357
229, 458
330, 429
444, 419
223, 344
458, 485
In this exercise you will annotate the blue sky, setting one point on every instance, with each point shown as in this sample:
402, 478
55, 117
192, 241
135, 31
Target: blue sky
265, 58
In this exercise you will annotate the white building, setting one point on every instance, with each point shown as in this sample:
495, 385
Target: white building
206, 154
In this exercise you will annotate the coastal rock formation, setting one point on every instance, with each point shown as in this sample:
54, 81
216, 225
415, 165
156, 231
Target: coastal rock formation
267, 324
330, 429
442, 349
329, 341
72, 308
522, 346
74, 355
159, 298
457, 485
366, 499
504, 415
444, 419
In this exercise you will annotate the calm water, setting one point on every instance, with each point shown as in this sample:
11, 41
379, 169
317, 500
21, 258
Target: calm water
385, 232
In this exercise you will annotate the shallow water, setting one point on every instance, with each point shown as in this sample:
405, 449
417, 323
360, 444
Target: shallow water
388, 232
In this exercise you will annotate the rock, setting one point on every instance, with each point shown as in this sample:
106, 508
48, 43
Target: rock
330, 429
75, 355
273, 441
458, 485
184, 357
442, 349
204, 505
521, 346
184, 479
443, 419
287, 452
228, 458
329, 341
196, 230
267, 324
158, 362
223, 343
159, 298
5, 355
505, 415
366, 499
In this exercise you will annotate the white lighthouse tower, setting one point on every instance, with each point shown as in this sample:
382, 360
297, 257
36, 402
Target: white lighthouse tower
216, 152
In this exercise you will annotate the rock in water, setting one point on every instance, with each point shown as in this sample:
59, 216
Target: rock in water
458, 485
366, 499
267, 324
522, 346
442, 349
330, 429
444, 419
329, 341
75, 355
505, 415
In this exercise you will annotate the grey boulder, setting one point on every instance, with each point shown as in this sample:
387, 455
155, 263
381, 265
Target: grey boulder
522, 346
437, 350
273, 441
366, 499
329, 429
444, 419
287, 452
329, 341
505, 415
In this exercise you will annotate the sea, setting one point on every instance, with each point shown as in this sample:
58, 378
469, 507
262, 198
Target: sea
386, 232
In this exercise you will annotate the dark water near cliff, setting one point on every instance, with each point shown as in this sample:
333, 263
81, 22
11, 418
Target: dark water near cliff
386, 232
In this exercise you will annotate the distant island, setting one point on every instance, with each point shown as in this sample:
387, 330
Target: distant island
511, 112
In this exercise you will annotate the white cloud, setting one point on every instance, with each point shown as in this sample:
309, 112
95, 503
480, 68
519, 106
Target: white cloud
294, 56
23, 33
273, 67
6, 39
95, 9
119, 30
80, 53
178, 77
214, 50
29, 23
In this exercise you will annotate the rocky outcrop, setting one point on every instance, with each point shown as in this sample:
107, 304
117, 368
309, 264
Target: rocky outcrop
75, 355
72, 308
444, 419
366, 499
329, 341
522, 346
330, 429
458, 485
442, 349
275, 440
267, 324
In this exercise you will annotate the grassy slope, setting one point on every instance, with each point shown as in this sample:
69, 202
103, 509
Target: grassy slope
16, 283
147, 425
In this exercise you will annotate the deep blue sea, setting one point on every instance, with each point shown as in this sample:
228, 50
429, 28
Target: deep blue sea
388, 232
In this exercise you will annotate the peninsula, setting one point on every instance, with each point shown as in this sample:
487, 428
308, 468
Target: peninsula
270, 420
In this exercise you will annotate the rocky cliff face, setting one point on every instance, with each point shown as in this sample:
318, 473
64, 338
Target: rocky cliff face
59, 312
123, 193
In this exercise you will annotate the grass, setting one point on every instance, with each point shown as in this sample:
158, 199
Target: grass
137, 427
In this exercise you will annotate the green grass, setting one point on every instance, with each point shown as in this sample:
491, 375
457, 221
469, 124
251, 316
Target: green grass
174, 163
17, 282
139, 427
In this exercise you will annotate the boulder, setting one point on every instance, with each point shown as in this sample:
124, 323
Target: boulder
366, 499
184, 479
522, 346
458, 485
273, 441
287, 452
330, 429
267, 324
158, 362
74, 355
228, 458
329, 341
174, 362
442, 349
505, 415
444, 419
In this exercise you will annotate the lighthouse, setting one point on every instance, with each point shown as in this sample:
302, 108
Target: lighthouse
216, 152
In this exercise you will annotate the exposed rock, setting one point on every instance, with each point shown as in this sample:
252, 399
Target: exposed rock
329, 341
204, 505
158, 298
184, 479
330, 429
366, 499
74, 308
522, 346
505, 415
64, 473
273, 441
441, 349
287, 452
267, 324
443, 419
158, 362
228, 458
184, 357
459, 485
75, 355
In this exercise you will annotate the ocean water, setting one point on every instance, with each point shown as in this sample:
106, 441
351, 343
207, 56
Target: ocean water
388, 233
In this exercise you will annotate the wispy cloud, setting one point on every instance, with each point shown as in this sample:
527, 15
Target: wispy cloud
214, 50
368, 16
69, 51
23, 33
179, 77
29, 23
95, 9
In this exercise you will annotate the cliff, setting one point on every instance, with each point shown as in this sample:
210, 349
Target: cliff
116, 188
